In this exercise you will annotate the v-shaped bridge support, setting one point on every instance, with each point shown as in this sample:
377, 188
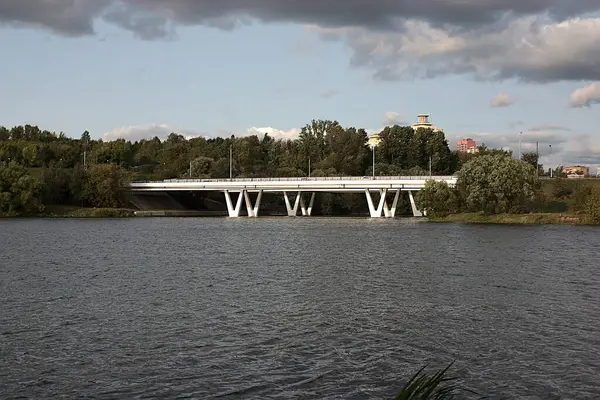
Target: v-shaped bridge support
382, 207
251, 209
299, 201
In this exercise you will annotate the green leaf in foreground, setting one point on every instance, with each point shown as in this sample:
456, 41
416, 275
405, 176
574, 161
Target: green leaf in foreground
423, 386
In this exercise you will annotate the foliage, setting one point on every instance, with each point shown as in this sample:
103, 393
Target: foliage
592, 206
78, 212
436, 198
581, 193
513, 219
104, 186
531, 158
19, 192
496, 184
431, 387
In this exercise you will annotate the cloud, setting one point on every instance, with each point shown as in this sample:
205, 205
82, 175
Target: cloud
328, 93
148, 131
391, 118
586, 96
533, 40
556, 147
78, 16
162, 131
530, 49
548, 127
501, 100
272, 132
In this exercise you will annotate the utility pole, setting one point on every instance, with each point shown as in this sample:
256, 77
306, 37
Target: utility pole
537, 157
190, 170
231, 161
309, 165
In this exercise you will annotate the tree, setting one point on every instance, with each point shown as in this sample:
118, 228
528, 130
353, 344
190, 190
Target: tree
201, 167
593, 207
532, 158
19, 192
104, 185
30, 155
498, 184
436, 198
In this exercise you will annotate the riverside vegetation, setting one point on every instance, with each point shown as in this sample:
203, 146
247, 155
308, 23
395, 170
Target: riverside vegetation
49, 174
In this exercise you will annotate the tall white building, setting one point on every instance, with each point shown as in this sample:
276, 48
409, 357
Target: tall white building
423, 122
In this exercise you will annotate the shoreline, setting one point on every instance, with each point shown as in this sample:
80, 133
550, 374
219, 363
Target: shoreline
514, 219
59, 212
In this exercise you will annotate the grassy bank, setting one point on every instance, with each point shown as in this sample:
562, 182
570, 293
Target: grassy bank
81, 212
522, 219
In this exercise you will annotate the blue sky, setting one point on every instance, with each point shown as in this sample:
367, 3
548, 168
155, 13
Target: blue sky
206, 80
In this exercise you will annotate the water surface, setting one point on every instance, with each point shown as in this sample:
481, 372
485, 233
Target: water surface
295, 308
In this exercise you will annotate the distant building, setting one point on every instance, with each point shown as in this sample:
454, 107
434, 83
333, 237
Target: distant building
423, 122
467, 145
576, 171
374, 140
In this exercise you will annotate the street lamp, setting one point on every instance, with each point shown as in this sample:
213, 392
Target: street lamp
373, 148
549, 155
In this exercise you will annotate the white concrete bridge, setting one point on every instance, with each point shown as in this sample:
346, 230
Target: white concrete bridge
384, 185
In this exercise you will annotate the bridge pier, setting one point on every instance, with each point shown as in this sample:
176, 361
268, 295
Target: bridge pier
383, 207
413, 205
376, 212
233, 212
252, 210
292, 211
307, 211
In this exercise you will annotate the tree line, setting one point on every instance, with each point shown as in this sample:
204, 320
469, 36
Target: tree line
325, 146
41, 168
47, 168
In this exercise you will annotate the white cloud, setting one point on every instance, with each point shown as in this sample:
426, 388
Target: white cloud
162, 131
586, 96
391, 118
148, 131
555, 147
274, 133
527, 48
502, 99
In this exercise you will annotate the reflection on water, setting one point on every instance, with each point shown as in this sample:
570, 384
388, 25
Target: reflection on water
294, 308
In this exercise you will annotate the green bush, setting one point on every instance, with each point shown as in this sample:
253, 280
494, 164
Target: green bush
437, 199
498, 183
592, 207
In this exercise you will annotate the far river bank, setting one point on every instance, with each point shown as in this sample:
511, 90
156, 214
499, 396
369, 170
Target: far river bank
469, 218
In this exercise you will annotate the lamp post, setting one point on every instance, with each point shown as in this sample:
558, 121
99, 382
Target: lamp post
230, 161
373, 147
550, 154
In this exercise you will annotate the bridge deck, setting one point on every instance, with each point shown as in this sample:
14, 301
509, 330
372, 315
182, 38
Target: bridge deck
313, 184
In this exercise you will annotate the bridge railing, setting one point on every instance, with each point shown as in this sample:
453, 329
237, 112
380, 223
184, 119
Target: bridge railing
308, 179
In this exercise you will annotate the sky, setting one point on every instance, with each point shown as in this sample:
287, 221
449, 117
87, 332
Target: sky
499, 71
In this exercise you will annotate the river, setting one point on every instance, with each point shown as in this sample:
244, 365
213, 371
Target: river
295, 308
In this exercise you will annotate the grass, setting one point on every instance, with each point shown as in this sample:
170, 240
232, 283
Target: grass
521, 219
81, 212
436, 386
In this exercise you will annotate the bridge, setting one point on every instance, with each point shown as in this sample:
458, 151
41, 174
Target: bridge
384, 185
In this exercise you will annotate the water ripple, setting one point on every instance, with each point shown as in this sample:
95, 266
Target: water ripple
279, 308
